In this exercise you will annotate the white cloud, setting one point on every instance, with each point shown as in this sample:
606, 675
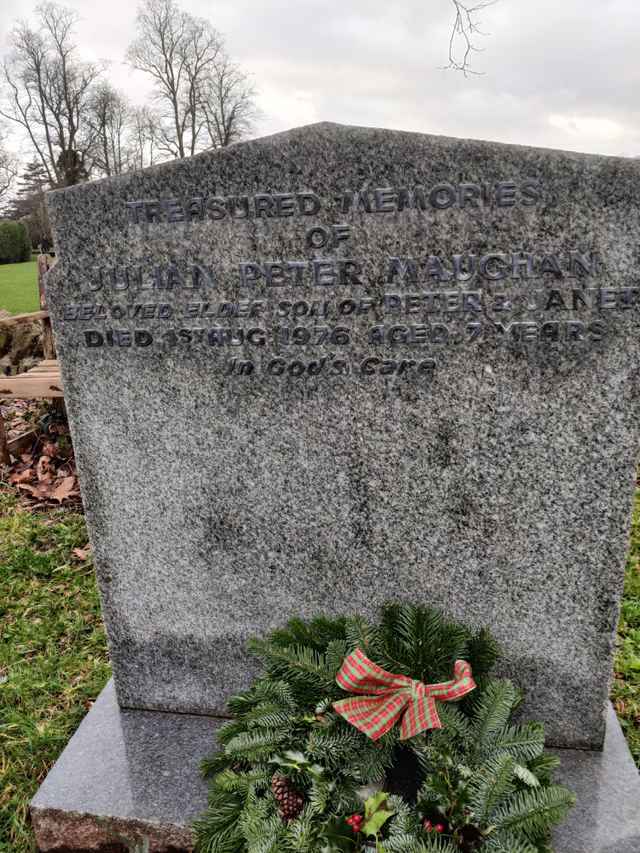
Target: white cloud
594, 127
557, 73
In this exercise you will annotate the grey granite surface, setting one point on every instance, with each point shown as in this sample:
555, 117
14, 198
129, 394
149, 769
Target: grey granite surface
125, 776
483, 462
133, 775
606, 818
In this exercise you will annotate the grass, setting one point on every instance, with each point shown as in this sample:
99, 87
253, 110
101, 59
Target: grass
626, 685
19, 287
53, 658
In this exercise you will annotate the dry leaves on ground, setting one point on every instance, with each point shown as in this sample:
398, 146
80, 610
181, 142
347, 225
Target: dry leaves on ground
19, 416
46, 473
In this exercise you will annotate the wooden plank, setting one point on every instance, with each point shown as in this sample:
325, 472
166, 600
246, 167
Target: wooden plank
22, 442
5, 457
24, 318
50, 362
26, 378
48, 347
48, 371
34, 386
44, 368
43, 266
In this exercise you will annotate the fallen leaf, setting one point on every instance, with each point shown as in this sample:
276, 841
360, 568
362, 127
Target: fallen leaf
27, 458
64, 489
50, 449
33, 490
44, 468
82, 553
22, 476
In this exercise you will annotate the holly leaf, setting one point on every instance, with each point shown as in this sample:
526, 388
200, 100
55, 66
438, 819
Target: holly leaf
376, 822
375, 814
337, 837
374, 802
297, 760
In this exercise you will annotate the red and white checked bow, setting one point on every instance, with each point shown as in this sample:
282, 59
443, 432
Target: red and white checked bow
390, 697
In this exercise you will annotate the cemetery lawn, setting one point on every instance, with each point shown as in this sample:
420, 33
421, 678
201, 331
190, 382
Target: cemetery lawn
53, 658
626, 685
19, 288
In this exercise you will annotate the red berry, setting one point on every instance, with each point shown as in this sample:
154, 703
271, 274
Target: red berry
439, 827
427, 825
355, 822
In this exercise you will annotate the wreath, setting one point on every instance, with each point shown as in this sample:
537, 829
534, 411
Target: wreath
386, 737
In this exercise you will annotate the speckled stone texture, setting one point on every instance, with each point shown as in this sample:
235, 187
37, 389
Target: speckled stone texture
130, 776
606, 817
492, 477
125, 777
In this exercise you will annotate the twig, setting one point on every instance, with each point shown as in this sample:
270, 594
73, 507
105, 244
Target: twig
463, 32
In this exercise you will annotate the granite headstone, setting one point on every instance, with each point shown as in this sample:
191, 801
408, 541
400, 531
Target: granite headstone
320, 370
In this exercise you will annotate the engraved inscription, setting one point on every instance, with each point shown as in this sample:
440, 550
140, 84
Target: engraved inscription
378, 200
323, 309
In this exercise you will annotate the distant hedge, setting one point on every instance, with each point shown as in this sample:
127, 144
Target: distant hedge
15, 245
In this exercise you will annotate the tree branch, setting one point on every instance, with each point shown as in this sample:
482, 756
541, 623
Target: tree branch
464, 31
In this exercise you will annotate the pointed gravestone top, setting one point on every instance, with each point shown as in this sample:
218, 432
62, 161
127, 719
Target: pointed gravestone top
320, 370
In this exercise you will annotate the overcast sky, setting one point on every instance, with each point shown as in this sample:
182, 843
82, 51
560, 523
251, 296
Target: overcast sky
556, 73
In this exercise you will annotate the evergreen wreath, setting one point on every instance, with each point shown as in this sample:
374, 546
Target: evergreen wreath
293, 776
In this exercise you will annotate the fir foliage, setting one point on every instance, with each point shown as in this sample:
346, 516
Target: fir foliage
481, 782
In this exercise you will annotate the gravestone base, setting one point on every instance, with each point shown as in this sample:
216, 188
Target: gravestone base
606, 818
132, 777
128, 782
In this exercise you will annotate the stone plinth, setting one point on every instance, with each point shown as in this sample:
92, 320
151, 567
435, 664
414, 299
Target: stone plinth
125, 777
132, 776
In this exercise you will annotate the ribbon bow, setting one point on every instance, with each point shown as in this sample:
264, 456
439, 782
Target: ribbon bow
393, 696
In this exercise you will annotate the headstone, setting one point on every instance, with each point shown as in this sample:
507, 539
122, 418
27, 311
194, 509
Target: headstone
336, 366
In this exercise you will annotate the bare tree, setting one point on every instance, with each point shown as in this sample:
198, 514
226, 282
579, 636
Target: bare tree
204, 99
47, 90
464, 32
228, 103
177, 50
144, 137
111, 120
145, 133
8, 171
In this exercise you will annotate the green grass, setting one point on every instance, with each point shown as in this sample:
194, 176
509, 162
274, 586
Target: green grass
53, 658
19, 287
626, 685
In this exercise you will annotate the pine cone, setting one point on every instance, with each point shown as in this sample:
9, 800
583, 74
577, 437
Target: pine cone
290, 801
